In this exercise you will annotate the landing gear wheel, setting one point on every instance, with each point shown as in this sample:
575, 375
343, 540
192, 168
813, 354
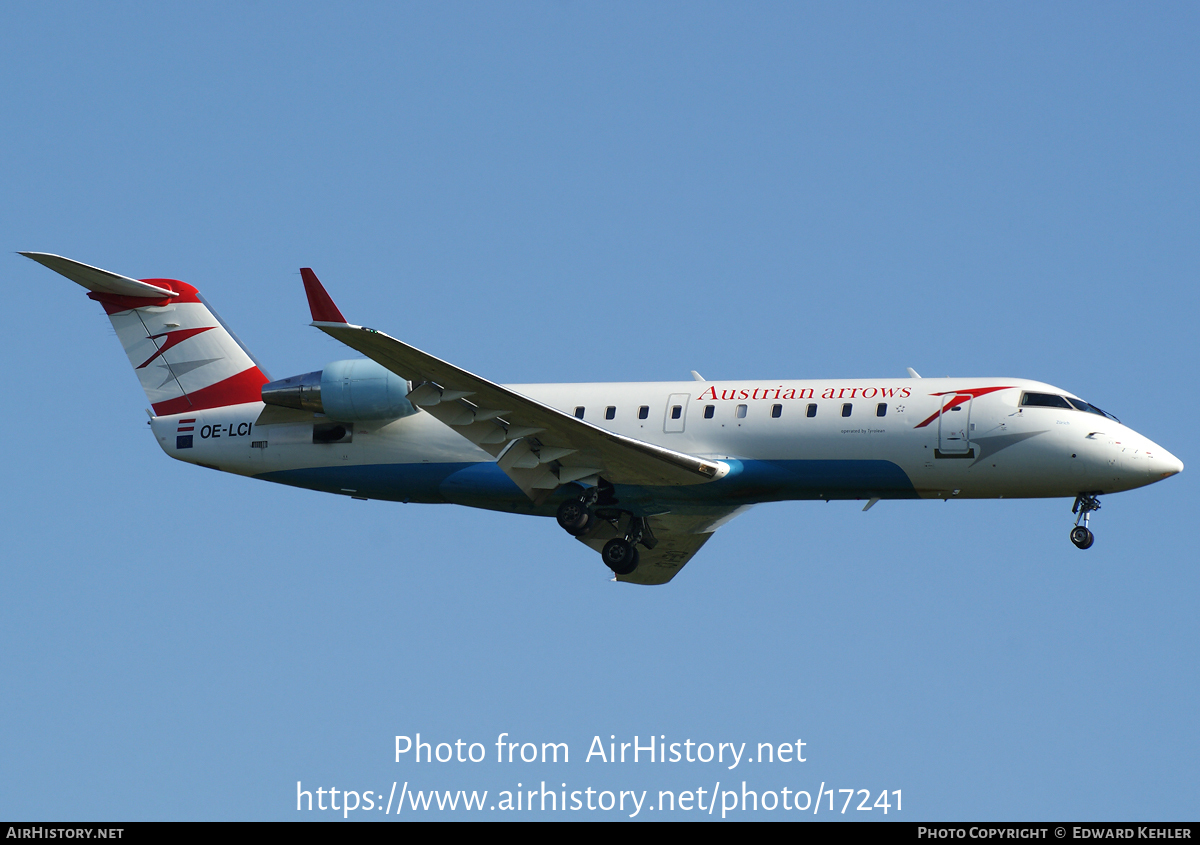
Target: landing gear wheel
1085, 505
620, 556
574, 517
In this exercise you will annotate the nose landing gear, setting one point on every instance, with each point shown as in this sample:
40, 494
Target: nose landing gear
1081, 535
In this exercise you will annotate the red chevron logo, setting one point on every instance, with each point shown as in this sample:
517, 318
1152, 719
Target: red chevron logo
173, 338
959, 397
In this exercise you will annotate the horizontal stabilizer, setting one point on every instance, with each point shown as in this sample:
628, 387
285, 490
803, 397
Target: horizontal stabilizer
95, 279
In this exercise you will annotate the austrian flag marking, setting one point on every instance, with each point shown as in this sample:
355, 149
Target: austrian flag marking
184, 441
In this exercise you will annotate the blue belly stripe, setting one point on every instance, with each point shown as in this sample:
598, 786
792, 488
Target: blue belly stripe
484, 484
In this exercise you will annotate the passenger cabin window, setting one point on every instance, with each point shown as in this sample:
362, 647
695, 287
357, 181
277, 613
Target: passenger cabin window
676, 411
776, 411
811, 410
579, 412
610, 413
1044, 400
846, 409
709, 410
643, 412
740, 413
881, 409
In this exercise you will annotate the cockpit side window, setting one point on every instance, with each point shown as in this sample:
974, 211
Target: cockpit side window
1044, 400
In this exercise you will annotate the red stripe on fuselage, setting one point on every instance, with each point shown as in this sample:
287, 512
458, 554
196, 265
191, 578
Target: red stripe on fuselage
246, 386
960, 396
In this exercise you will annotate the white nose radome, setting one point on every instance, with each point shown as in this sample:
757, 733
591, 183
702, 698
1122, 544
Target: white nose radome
1155, 463
1169, 464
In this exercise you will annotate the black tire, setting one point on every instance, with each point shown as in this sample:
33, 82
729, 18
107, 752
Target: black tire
1082, 537
574, 517
620, 556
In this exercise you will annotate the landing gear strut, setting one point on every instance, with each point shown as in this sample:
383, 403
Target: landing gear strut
1081, 535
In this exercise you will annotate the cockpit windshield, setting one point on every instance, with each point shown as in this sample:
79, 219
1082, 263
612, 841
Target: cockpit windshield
1052, 400
1080, 405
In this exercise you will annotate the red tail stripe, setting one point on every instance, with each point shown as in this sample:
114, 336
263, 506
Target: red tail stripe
115, 303
246, 386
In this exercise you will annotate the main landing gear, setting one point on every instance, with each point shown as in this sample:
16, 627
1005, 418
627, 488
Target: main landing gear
1081, 535
620, 554
579, 516
575, 516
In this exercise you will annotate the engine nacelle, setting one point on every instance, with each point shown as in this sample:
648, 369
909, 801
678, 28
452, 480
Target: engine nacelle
347, 391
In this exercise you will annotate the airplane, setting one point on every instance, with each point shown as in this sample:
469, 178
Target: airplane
642, 473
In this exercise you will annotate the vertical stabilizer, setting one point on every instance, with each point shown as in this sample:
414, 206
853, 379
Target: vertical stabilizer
183, 355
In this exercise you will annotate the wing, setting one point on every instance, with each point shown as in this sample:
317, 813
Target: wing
679, 536
538, 446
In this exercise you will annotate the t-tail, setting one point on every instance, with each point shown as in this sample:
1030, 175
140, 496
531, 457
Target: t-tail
183, 354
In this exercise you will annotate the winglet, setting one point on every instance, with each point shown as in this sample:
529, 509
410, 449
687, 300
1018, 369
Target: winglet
322, 307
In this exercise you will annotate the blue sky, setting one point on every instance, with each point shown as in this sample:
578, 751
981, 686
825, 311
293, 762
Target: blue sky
600, 192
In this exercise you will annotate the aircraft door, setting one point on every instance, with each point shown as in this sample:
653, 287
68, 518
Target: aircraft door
676, 414
954, 427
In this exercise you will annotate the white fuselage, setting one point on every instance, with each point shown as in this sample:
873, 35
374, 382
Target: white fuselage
811, 439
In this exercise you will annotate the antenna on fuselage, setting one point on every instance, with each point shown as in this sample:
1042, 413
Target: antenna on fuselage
913, 373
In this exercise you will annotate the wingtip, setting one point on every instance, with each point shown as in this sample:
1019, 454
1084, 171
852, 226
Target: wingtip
319, 301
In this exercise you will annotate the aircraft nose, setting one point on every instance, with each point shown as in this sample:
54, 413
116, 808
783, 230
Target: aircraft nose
1144, 462
1159, 463
1170, 465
